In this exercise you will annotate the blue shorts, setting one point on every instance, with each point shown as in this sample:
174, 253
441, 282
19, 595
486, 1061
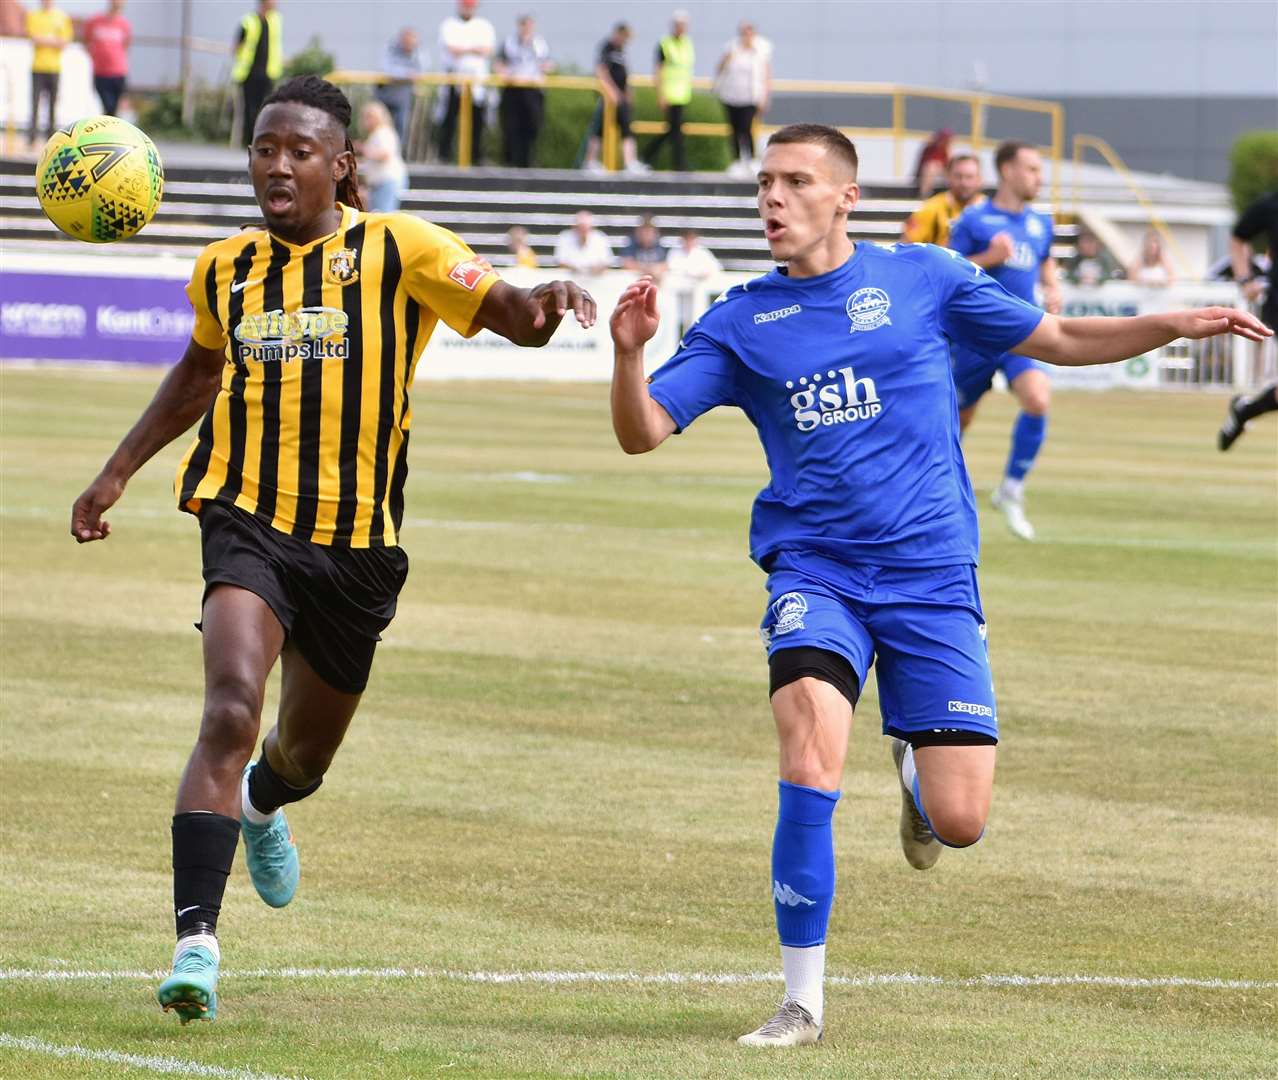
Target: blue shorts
973, 373
924, 627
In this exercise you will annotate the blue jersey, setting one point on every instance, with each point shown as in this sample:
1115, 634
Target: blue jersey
846, 377
1030, 231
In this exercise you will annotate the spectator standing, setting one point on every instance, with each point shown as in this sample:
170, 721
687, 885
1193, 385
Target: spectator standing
644, 253
583, 247
523, 56
50, 31
403, 61
107, 37
675, 59
934, 156
381, 164
1091, 264
743, 81
1153, 266
691, 269
930, 223
259, 61
13, 19
466, 45
519, 247
612, 72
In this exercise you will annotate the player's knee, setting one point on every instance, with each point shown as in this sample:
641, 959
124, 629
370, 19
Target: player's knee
1036, 400
958, 827
230, 724
305, 760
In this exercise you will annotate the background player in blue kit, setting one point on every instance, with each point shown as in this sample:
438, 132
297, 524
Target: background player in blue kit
867, 528
1013, 243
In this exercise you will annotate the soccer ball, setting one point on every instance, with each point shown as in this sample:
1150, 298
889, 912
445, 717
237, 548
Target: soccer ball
99, 179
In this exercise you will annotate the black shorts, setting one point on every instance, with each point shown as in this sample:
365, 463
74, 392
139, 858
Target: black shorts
333, 602
623, 119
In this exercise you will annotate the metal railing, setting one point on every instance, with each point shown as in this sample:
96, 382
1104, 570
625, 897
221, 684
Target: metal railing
978, 104
1081, 144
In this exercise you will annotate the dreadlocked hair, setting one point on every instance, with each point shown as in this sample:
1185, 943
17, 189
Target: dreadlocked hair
323, 95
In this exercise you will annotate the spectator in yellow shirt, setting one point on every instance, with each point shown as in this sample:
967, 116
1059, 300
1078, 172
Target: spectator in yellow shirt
930, 223
49, 30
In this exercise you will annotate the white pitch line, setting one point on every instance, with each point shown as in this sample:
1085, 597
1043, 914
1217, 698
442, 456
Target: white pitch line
668, 978
170, 1066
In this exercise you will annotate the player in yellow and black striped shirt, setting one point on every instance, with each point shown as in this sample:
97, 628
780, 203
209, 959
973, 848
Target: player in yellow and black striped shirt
306, 334
930, 223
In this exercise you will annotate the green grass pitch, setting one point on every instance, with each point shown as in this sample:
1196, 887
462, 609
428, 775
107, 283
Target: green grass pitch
565, 763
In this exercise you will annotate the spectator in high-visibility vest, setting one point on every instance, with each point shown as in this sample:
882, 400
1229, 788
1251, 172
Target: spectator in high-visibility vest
675, 58
259, 60
50, 31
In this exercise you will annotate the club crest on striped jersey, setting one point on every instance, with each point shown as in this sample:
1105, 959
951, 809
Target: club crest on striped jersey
341, 269
470, 273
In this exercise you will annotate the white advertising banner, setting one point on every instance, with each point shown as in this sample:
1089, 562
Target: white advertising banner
117, 308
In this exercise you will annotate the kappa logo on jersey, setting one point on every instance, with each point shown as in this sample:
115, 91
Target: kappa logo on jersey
868, 309
470, 273
788, 611
780, 313
280, 337
341, 269
843, 399
783, 894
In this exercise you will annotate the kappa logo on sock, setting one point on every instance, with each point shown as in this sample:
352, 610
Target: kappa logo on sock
783, 894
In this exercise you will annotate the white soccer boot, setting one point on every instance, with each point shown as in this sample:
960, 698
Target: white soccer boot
791, 1026
919, 843
1013, 513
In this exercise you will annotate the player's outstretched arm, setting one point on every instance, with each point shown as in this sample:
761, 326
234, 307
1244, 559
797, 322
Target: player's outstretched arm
641, 424
531, 316
1085, 341
182, 398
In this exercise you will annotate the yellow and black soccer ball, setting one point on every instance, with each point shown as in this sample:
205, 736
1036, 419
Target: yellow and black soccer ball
99, 179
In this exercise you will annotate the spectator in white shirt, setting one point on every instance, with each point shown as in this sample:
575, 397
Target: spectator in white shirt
743, 81
691, 270
526, 57
583, 248
466, 46
381, 164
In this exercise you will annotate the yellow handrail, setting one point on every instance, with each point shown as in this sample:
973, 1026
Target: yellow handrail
978, 105
1081, 143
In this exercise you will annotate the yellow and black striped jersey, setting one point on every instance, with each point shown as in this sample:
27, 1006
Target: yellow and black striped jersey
309, 430
930, 223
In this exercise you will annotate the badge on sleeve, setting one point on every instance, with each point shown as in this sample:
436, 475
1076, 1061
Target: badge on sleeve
470, 273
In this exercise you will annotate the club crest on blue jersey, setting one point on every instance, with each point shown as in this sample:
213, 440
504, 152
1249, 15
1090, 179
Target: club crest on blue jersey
868, 309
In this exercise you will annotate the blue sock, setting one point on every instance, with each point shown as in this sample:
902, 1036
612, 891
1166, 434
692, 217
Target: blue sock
803, 864
1028, 434
918, 803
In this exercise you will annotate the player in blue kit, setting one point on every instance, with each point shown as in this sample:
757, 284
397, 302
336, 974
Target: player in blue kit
867, 528
1012, 242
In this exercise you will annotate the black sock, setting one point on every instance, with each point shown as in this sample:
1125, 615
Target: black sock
268, 792
1261, 402
203, 850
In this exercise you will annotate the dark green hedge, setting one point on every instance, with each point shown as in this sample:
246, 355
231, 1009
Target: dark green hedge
1253, 167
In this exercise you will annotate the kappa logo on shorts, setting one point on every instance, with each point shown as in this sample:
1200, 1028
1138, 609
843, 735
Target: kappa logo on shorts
470, 273
788, 611
970, 708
